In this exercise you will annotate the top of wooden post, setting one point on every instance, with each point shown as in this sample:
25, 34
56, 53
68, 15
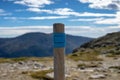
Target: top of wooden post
58, 28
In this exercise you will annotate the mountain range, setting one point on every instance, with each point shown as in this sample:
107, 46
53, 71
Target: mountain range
36, 44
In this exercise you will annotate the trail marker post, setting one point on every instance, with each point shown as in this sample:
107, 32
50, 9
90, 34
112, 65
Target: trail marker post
59, 51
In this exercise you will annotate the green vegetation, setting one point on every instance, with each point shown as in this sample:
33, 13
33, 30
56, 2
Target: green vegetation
85, 56
111, 55
83, 65
91, 54
3, 60
39, 74
19, 59
115, 67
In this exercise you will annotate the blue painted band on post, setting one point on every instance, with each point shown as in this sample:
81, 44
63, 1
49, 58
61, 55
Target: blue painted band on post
59, 40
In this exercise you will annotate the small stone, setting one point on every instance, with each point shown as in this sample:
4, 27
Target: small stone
4, 74
51, 75
118, 71
21, 63
86, 70
97, 76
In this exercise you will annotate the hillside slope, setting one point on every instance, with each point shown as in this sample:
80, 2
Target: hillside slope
109, 43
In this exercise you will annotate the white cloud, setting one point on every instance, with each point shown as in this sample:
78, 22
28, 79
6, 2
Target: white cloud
65, 11
11, 18
114, 27
34, 9
16, 31
4, 13
115, 20
68, 12
89, 19
48, 17
88, 31
34, 3
36, 18
103, 4
39, 10
91, 31
59, 11
1, 11
96, 14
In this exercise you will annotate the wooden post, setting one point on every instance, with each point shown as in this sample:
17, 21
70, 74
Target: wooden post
59, 50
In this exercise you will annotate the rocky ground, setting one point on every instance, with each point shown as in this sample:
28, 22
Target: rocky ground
107, 69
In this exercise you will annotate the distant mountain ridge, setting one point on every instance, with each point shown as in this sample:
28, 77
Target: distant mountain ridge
36, 44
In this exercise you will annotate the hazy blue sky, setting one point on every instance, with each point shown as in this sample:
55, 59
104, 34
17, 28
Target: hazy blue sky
92, 18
